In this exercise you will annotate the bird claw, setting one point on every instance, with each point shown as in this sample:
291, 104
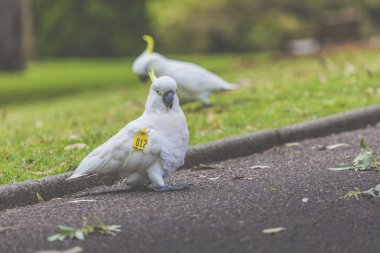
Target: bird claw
167, 187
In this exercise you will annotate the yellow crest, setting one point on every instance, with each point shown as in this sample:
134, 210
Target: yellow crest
149, 43
152, 75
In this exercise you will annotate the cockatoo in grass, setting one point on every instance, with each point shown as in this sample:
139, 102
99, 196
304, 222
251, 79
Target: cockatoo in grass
149, 148
194, 82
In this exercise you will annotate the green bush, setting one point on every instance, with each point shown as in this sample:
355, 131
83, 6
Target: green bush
115, 27
88, 27
231, 25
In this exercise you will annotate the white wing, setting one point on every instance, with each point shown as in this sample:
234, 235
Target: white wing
194, 77
118, 155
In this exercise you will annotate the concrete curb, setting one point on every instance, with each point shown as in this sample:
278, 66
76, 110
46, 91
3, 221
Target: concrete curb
24, 193
244, 145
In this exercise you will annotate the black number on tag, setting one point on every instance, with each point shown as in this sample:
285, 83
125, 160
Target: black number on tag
146, 141
138, 141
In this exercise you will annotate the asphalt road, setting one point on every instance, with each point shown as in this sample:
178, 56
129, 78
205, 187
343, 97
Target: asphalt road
226, 209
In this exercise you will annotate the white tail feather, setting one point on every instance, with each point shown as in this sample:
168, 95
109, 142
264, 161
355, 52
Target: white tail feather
77, 176
231, 86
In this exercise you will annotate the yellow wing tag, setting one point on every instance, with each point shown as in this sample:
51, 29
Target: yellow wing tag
141, 139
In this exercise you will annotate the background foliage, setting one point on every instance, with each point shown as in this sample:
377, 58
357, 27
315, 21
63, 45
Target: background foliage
88, 27
114, 27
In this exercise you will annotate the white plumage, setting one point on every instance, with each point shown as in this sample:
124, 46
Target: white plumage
164, 152
194, 82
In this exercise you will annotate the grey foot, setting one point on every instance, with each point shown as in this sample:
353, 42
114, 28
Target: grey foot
167, 187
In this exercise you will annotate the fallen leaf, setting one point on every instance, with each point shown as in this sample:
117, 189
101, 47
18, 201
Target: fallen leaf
39, 198
249, 128
337, 145
38, 124
82, 200
259, 167
3, 229
273, 189
292, 144
273, 230
79, 233
74, 137
373, 192
350, 69
347, 167
76, 249
41, 172
356, 194
305, 200
75, 146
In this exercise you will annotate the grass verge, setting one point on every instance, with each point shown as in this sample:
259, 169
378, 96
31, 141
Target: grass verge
273, 93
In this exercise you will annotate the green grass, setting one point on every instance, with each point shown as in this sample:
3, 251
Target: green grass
275, 92
59, 77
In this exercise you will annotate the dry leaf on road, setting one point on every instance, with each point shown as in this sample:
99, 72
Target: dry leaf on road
3, 229
39, 198
72, 250
273, 230
337, 145
292, 144
82, 200
259, 167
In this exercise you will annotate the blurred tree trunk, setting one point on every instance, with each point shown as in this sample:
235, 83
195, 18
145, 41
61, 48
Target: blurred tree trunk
15, 34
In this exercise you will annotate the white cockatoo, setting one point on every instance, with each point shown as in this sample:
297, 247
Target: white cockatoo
194, 82
149, 148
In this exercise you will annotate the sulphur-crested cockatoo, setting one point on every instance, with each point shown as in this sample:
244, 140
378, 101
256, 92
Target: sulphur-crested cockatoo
194, 82
149, 148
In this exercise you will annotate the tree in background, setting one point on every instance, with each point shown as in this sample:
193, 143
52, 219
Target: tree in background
88, 27
240, 25
115, 27
15, 37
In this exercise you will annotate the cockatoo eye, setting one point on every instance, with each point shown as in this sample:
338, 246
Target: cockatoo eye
158, 92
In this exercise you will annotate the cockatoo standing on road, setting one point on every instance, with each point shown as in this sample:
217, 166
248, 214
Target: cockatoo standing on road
194, 82
148, 148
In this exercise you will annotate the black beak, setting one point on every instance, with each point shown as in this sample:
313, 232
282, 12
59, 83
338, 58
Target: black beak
168, 99
144, 78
